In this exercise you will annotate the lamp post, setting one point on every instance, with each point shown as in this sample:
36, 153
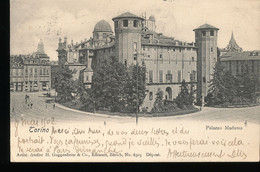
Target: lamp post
137, 75
137, 101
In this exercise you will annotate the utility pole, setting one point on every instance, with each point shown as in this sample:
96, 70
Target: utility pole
137, 75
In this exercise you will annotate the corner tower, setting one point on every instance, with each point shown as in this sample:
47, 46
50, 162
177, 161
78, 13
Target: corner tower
128, 28
206, 42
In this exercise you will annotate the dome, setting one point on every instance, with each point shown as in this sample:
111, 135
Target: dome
102, 26
151, 17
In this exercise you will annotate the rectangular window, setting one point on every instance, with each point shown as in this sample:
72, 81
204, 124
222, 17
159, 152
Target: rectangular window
40, 71
150, 76
160, 56
179, 76
252, 66
150, 95
174, 49
148, 56
104, 35
211, 49
87, 78
230, 69
135, 23
192, 59
125, 23
180, 49
204, 79
203, 33
169, 76
21, 71
135, 46
116, 24
211, 33
144, 48
160, 76
237, 67
31, 71
16, 72
194, 75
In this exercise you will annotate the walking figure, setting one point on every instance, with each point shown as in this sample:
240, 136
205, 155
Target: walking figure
26, 98
54, 106
31, 105
13, 109
105, 123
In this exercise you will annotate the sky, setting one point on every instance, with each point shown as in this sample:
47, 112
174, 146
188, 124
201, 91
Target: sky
32, 20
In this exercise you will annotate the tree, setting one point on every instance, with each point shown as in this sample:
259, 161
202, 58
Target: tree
158, 103
115, 88
63, 83
184, 98
135, 88
248, 86
108, 84
215, 94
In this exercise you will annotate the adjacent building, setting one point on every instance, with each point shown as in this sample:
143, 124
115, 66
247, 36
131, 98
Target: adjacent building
237, 61
30, 72
168, 61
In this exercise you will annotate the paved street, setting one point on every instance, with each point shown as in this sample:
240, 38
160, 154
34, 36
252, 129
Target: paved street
42, 109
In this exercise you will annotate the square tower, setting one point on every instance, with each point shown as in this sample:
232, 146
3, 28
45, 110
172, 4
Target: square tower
206, 42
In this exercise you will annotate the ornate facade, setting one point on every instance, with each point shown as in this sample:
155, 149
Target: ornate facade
168, 61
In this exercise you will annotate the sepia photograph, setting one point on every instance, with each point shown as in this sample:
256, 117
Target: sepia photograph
134, 81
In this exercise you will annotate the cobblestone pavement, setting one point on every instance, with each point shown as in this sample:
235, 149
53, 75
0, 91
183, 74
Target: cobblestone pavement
41, 109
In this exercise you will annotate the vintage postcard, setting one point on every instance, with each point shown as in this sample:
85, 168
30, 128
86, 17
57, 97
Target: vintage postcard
134, 80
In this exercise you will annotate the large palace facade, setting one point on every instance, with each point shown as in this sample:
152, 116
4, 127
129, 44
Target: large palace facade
168, 61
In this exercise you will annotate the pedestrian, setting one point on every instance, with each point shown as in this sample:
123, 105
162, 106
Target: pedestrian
31, 105
54, 106
105, 123
13, 109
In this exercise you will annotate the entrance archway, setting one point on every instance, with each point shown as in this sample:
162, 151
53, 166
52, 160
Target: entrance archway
168, 94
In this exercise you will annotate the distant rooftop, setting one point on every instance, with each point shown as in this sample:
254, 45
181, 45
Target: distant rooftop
246, 55
127, 15
206, 26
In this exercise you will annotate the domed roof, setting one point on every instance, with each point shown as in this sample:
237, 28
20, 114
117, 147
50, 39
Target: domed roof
151, 17
102, 26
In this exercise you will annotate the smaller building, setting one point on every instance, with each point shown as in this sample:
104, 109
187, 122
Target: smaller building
241, 62
30, 72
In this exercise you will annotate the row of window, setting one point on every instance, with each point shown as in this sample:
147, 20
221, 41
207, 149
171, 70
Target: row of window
244, 67
43, 71
211, 33
161, 57
126, 23
169, 77
147, 48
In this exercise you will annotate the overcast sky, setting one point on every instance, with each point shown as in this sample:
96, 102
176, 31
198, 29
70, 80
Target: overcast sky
32, 20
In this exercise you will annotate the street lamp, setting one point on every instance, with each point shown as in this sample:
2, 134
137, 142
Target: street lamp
137, 101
